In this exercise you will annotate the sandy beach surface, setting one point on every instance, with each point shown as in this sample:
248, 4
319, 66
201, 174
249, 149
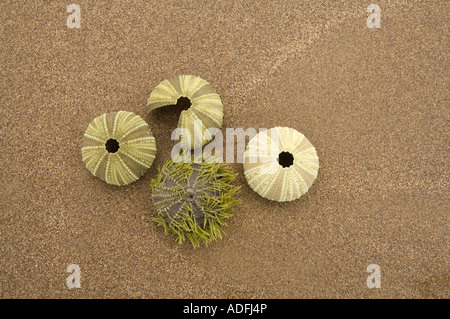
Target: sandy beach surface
374, 103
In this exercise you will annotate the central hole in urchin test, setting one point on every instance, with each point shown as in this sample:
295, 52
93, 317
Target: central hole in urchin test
184, 103
112, 145
190, 194
285, 159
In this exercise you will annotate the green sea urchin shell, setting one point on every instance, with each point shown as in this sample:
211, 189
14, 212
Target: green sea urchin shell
193, 200
280, 164
206, 105
118, 147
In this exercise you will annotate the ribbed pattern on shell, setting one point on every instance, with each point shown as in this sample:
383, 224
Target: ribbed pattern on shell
206, 105
270, 179
137, 147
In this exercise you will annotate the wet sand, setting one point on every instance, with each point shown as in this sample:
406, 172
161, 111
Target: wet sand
374, 103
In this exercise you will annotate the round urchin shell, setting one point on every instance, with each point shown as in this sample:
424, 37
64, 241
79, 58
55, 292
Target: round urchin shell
280, 164
193, 200
118, 147
206, 106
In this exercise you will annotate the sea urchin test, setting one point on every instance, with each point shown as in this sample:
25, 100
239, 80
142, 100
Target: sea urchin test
118, 147
204, 103
194, 200
280, 164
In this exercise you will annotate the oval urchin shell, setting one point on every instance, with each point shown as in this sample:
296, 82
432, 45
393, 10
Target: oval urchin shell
280, 164
118, 147
193, 200
206, 106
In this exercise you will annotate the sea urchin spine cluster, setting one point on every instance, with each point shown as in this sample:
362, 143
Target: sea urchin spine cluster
193, 200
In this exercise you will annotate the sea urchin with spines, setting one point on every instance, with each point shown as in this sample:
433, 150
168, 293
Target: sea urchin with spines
193, 200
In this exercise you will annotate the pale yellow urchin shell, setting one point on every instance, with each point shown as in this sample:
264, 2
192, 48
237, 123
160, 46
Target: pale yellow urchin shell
118, 147
280, 164
205, 105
